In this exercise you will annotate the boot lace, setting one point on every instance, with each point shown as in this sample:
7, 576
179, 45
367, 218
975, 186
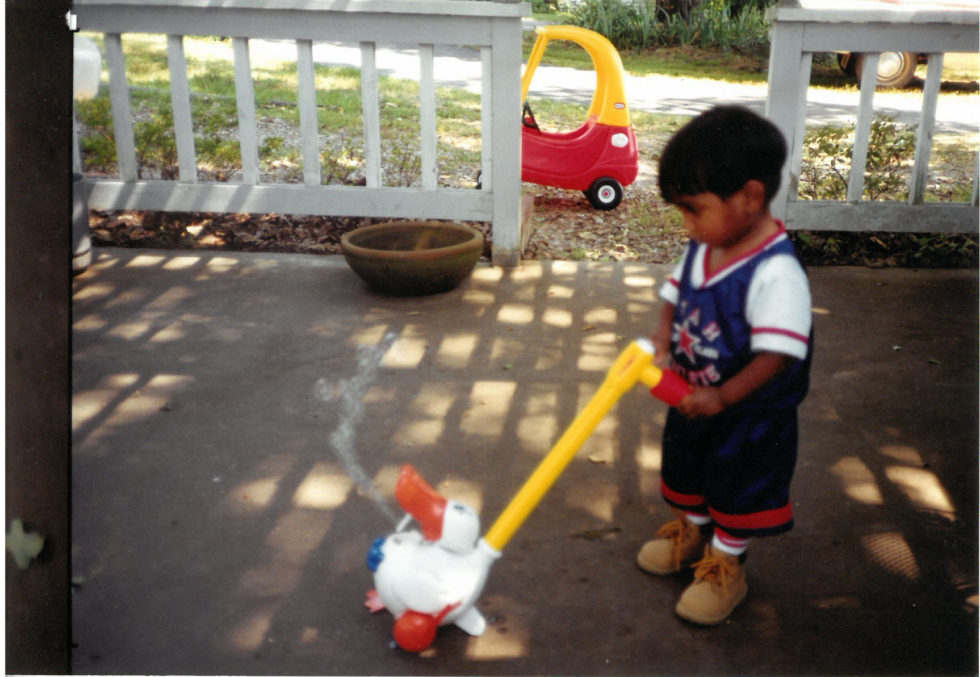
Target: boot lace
677, 532
716, 569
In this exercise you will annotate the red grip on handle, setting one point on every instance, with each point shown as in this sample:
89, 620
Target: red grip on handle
671, 389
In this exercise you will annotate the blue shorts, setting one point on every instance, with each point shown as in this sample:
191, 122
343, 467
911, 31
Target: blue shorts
736, 467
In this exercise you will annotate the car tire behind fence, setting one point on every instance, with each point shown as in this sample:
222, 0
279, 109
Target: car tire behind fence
895, 69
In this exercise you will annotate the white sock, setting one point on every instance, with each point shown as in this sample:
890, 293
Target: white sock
696, 519
728, 543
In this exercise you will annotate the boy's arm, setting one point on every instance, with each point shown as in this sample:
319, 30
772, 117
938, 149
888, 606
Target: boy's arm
713, 400
661, 335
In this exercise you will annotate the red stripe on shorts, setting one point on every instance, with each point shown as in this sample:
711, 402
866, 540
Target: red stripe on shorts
756, 520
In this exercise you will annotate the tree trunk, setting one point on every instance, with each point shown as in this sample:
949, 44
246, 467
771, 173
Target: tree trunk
682, 7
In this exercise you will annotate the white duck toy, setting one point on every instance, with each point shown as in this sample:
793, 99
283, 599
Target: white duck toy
433, 577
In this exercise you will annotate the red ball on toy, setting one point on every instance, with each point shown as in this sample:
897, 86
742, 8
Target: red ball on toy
415, 631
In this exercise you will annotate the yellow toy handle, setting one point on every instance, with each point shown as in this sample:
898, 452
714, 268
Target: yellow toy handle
634, 364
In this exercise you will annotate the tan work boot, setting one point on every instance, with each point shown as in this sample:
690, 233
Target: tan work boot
719, 586
678, 543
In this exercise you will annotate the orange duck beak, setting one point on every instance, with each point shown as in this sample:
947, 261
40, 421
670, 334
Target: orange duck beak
421, 501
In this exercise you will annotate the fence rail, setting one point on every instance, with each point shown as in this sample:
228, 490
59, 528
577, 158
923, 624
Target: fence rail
801, 28
492, 27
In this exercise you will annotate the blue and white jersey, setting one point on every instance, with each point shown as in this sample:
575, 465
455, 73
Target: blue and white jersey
723, 318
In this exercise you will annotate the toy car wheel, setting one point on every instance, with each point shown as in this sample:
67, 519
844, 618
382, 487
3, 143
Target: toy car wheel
605, 193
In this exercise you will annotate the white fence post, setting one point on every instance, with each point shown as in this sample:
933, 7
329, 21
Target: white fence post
923, 140
180, 101
506, 143
370, 110
787, 67
122, 115
862, 134
309, 125
427, 117
245, 95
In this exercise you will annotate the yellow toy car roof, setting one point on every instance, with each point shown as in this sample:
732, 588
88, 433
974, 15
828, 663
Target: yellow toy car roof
609, 101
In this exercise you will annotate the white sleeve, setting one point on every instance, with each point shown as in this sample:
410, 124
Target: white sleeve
671, 289
778, 307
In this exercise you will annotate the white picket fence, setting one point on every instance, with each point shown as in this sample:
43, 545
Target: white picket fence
492, 27
801, 28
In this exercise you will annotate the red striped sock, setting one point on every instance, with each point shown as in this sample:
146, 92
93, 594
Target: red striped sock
728, 544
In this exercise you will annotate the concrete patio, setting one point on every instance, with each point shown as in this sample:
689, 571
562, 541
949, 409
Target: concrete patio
239, 421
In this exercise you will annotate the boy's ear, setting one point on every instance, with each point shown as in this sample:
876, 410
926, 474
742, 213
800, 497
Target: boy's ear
754, 194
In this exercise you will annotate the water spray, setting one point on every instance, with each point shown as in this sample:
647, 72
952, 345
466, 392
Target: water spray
351, 392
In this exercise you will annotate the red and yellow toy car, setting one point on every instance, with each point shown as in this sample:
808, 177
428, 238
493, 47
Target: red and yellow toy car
600, 157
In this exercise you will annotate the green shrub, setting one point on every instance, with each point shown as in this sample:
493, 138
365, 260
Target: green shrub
641, 24
827, 161
545, 6
98, 144
629, 24
341, 160
891, 152
907, 250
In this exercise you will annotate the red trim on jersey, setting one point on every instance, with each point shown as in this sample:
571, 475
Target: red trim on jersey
687, 500
756, 520
708, 274
783, 332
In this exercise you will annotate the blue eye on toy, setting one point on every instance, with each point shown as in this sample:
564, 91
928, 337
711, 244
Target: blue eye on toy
375, 555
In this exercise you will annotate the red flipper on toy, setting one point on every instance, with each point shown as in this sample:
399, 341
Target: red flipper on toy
373, 602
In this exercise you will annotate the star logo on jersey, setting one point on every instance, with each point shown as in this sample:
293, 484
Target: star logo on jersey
687, 342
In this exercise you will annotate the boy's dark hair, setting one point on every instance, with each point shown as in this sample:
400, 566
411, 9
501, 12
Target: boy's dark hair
719, 151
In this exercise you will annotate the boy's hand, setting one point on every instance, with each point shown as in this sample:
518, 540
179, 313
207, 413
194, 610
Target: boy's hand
710, 401
702, 402
661, 351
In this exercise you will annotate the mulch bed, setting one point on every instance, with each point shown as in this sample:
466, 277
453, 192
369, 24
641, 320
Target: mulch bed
321, 235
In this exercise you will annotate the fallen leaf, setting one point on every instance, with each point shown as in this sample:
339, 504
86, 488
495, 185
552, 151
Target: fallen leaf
598, 534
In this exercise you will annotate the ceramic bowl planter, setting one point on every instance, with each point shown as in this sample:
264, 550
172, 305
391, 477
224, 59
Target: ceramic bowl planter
412, 258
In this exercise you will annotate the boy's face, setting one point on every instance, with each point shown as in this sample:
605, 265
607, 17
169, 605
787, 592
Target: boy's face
714, 221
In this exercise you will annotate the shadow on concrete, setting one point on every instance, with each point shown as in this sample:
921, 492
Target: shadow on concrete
239, 421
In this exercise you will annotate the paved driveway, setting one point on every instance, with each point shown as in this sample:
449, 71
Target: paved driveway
652, 93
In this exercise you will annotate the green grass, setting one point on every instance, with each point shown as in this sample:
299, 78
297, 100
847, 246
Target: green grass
211, 78
338, 97
687, 62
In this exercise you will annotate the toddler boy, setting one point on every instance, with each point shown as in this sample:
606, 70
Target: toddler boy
736, 324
